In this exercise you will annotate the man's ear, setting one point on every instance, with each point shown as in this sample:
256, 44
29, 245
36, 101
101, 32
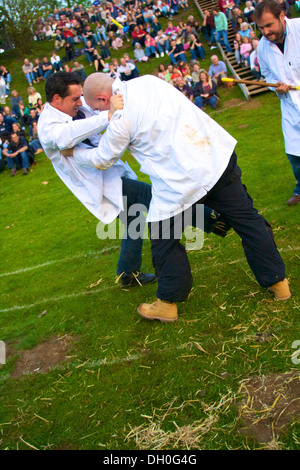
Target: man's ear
56, 100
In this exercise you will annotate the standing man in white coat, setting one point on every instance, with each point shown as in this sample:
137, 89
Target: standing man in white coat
278, 54
191, 161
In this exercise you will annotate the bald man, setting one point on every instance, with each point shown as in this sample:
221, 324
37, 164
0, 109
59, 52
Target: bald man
190, 160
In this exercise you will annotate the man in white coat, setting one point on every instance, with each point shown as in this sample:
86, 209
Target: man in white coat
100, 192
278, 54
190, 160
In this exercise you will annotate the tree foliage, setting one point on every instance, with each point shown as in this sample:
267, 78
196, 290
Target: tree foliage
19, 19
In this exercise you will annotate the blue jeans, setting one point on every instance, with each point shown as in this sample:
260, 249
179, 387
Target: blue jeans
223, 35
197, 53
163, 47
29, 77
21, 161
137, 192
150, 50
134, 192
295, 162
199, 101
178, 58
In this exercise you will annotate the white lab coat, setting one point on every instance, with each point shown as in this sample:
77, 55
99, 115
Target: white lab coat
100, 192
285, 68
181, 148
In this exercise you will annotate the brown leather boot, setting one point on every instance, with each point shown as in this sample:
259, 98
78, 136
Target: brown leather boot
281, 290
159, 310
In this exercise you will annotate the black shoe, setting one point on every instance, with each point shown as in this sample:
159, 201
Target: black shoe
137, 279
221, 228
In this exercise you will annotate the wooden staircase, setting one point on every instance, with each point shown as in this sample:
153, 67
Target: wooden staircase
236, 69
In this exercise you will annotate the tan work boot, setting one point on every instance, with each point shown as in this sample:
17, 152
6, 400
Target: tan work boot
159, 310
281, 290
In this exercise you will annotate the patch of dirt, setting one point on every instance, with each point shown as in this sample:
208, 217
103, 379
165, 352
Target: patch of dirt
44, 356
231, 103
271, 404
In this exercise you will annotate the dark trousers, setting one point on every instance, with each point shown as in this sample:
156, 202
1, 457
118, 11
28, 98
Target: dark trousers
229, 197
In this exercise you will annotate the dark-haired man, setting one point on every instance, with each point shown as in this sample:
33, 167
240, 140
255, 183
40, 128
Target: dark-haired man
100, 192
278, 54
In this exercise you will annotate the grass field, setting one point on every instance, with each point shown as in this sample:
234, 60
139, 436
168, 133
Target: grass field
84, 371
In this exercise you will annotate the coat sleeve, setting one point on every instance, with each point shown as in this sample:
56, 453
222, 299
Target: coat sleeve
110, 149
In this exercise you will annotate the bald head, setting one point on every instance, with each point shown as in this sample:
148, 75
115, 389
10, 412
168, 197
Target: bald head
97, 91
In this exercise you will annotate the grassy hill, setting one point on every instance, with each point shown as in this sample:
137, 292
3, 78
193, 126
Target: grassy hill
84, 371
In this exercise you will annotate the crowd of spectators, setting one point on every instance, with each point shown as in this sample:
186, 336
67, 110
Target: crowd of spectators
94, 33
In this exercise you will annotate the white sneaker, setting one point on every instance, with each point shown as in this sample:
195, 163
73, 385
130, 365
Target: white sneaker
162, 54
156, 55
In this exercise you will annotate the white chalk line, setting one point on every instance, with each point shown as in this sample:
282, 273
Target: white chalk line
97, 291
61, 260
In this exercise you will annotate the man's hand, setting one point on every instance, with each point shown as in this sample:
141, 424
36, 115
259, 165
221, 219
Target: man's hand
282, 88
67, 152
116, 102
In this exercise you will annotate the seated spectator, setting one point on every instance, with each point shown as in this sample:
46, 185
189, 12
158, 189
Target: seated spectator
127, 70
148, 14
34, 146
162, 43
7, 77
196, 73
183, 4
33, 117
138, 35
39, 106
79, 68
9, 118
248, 11
56, 62
156, 26
37, 70
69, 51
89, 35
27, 68
47, 68
245, 29
14, 103
217, 70
237, 45
162, 71
100, 32
105, 52
150, 46
113, 71
227, 7
114, 41
60, 40
33, 96
205, 92
245, 50
16, 154
88, 52
254, 65
171, 30
175, 75
196, 48
184, 88
237, 19
24, 114
139, 53
4, 133
16, 128
176, 52
3, 94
